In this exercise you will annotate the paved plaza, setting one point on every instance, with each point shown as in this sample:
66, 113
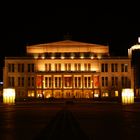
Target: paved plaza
93, 121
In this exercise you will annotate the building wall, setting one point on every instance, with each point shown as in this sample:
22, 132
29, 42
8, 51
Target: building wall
22, 78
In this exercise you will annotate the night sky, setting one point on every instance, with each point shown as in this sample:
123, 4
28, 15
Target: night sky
113, 24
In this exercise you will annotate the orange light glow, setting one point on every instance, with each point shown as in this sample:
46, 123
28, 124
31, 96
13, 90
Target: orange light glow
72, 57
96, 95
40, 66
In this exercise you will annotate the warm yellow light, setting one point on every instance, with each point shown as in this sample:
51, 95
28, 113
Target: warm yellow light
105, 94
36, 56
138, 39
9, 95
52, 57
127, 96
48, 96
62, 57
43, 57
82, 56
40, 66
39, 95
31, 94
116, 93
96, 95
72, 57
99, 56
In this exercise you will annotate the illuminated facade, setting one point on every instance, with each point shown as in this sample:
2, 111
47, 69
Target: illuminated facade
68, 69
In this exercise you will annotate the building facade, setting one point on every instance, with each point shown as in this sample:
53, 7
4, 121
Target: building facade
68, 69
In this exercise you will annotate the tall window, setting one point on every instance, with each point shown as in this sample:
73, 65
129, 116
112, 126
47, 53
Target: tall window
104, 81
77, 67
125, 81
48, 67
48, 82
68, 67
87, 67
18, 81
68, 82
21, 81
57, 82
87, 82
77, 82
114, 81
20, 67
104, 67
124, 67
30, 67
11, 81
31, 81
114, 67
11, 67
58, 67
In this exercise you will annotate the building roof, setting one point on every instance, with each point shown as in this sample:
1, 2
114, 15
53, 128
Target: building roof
67, 46
66, 42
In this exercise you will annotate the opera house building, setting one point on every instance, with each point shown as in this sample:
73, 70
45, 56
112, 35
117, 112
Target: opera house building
68, 69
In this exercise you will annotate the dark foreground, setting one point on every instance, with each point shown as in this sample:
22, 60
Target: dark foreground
93, 121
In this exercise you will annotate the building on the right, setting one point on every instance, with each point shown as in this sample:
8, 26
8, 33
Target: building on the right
134, 55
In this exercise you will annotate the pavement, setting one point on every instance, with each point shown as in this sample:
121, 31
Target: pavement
93, 121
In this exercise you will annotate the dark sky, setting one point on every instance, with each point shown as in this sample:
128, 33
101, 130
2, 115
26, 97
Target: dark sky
113, 24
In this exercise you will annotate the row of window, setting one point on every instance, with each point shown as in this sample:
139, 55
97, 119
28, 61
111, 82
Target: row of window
114, 67
48, 82
21, 81
20, 67
125, 82
68, 82
48, 67
68, 67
